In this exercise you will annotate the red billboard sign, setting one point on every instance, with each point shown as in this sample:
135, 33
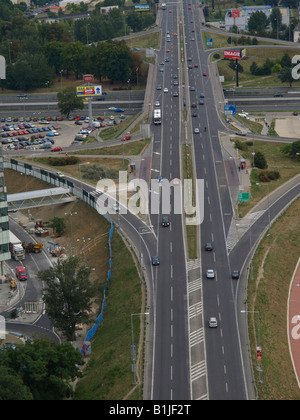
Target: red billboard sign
232, 54
235, 13
88, 77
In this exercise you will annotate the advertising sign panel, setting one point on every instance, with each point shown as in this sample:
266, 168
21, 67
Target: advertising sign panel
89, 90
232, 54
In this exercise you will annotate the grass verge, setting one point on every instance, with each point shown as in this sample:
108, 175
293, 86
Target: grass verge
268, 288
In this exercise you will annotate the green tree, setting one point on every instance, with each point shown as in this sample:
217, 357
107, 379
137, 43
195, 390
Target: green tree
285, 75
30, 71
12, 387
276, 19
68, 101
68, 294
291, 149
258, 21
45, 369
260, 160
58, 225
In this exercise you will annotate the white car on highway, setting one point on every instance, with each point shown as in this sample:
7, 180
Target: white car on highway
166, 90
210, 274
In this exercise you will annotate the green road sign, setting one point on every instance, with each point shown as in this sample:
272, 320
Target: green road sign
244, 197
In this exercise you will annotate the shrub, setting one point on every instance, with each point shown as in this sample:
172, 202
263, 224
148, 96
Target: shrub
62, 161
260, 160
267, 176
263, 177
273, 175
240, 145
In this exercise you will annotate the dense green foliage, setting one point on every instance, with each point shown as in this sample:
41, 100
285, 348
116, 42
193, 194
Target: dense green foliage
38, 52
68, 294
38, 371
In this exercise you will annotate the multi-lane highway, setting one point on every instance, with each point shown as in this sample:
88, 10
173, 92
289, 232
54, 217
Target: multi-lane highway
185, 358
174, 340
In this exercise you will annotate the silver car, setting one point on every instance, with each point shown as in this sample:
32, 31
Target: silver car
212, 322
210, 274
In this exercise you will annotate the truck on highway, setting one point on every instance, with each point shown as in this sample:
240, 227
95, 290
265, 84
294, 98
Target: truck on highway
16, 248
21, 273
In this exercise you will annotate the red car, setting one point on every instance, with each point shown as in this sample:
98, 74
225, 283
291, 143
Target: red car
49, 119
127, 137
56, 149
204, 73
59, 118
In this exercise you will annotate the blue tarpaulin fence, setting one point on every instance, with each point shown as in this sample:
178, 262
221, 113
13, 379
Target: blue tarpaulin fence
99, 319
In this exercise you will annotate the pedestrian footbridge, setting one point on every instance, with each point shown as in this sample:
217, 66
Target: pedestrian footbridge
38, 198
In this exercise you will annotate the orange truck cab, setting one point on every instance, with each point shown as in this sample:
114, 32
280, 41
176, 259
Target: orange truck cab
21, 273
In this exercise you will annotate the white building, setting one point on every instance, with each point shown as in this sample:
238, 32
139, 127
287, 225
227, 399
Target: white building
297, 33
240, 17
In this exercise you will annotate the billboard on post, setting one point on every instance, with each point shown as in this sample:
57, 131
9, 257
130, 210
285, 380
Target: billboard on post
89, 90
232, 54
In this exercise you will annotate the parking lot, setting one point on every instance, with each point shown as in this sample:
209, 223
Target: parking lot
50, 133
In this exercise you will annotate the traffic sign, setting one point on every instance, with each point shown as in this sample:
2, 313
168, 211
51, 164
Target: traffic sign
243, 197
258, 353
89, 90
229, 109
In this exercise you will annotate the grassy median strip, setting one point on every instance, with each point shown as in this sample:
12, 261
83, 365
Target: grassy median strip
191, 230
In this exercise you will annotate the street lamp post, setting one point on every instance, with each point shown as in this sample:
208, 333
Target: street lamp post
72, 240
47, 85
133, 348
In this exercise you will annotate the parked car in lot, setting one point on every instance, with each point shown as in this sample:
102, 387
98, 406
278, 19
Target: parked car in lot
56, 149
45, 146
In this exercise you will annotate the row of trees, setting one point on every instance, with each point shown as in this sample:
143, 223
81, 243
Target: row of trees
282, 66
37, 52
112, 60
